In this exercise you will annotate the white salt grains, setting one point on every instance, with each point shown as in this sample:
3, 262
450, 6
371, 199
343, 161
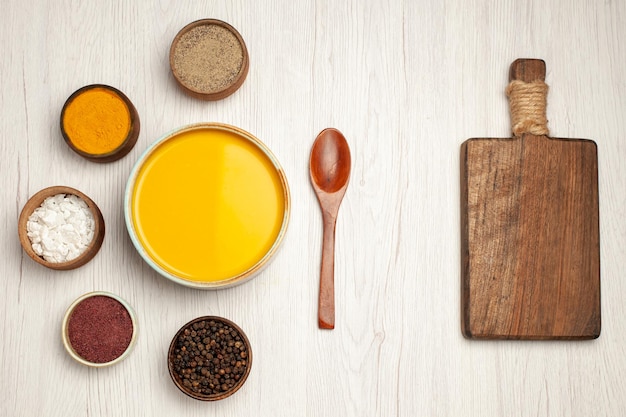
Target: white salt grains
61, 228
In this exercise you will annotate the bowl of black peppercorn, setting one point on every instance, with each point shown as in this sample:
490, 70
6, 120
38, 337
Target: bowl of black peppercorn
209, 358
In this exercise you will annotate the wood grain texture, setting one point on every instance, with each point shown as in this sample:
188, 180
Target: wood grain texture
329, 166
531, 248
406, 82
530, 237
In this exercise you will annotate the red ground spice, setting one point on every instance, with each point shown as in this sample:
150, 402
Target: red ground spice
100, 329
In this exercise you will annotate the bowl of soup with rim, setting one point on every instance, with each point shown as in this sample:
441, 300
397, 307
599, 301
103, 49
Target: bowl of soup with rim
207, 205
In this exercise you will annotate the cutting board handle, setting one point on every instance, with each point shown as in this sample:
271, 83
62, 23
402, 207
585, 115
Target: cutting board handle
528, 70
528, 92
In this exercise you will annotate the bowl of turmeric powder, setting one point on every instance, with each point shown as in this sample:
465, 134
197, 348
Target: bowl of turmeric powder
100, 123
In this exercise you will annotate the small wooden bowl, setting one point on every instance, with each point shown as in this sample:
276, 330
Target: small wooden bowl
34, 202
172, 355
65, 336
197, 70
125, 146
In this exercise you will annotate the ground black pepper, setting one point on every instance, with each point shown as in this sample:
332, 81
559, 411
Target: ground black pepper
208, 58
209, 358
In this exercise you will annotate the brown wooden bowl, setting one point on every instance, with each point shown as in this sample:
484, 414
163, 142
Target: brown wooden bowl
196, 71
194, 325
34, 202
120, 151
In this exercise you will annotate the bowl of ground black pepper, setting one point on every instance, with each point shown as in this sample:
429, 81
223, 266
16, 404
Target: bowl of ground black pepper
210, 358
209, 59
99, 329
61, 228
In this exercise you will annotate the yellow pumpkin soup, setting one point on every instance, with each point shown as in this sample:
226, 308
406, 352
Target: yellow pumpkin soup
208, 204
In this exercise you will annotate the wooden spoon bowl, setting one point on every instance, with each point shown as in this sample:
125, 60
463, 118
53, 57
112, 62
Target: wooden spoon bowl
34, 202
330, 163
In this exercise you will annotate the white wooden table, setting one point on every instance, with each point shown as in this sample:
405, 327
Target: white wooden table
406, 82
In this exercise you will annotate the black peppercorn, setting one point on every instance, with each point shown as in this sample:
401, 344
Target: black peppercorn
208, 358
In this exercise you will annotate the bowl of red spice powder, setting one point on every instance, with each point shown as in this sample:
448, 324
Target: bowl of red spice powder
99, 329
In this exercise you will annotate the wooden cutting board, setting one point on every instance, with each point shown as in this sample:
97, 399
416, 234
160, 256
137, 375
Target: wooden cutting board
530, 232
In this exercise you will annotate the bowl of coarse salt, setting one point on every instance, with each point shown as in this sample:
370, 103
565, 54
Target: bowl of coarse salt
61, 228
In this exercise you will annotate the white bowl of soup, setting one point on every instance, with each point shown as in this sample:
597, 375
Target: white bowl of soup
207, 205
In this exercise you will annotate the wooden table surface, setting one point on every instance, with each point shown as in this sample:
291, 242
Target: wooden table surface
406, 82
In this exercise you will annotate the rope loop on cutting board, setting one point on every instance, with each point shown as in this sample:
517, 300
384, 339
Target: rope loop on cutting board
528, 102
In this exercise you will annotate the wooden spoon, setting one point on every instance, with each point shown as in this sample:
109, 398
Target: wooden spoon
330, 171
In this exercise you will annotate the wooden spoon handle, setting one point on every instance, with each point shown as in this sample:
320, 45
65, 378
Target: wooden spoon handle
326, 312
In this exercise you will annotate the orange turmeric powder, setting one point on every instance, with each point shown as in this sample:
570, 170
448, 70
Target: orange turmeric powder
97, 121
